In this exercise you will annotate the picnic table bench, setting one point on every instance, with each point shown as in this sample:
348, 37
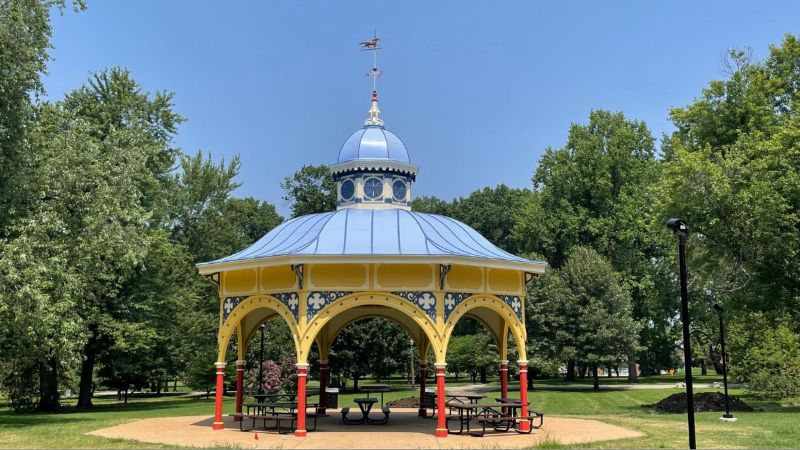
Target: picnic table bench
502, 416
365, 405
278, 412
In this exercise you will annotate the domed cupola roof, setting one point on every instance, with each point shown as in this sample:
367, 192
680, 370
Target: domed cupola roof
373, 148
373, 142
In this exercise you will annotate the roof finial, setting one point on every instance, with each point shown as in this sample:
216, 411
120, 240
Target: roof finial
374, 112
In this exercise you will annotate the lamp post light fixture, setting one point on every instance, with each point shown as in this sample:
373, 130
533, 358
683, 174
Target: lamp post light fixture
727, 417
261, 362
681, 229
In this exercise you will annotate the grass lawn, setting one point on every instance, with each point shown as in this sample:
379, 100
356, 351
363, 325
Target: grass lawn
775, 425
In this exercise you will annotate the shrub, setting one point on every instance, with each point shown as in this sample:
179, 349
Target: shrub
771, 385
766, 356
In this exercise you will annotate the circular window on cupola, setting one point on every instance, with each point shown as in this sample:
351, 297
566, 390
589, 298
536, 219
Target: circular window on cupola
399, 190
373, 188
347, 189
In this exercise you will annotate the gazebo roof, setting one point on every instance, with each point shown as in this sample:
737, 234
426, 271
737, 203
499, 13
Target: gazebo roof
377, 233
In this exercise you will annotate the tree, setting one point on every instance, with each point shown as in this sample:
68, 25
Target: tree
374, 346
310, 190
24, 40
586, 312
474, 353
597, 191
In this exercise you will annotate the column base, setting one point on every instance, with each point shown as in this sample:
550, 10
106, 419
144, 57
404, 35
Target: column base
322, 412
218, 426
524, 425
727, 418
441, 432
300, 433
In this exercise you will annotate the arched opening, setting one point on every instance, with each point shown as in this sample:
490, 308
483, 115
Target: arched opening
473, 350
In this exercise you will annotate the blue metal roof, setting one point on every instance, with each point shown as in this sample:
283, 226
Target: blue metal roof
373, 142
373, 232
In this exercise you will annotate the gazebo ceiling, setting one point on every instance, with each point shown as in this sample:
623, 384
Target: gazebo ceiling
373, 235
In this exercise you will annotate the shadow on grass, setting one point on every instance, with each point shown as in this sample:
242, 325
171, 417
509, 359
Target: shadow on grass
72, 414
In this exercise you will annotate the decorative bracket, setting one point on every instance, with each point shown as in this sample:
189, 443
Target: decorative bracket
214, 278
298, 271
444, 269
529, 276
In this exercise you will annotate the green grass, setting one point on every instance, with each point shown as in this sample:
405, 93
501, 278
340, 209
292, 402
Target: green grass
775, 425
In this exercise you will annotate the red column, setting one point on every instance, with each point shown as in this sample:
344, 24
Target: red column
218, 424
524, 425
504, 378
239, 389
324, 372
441, 422
423, 366
302, 374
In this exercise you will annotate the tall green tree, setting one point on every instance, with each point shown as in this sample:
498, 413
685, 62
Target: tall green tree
596, 191
310, 190
585, 311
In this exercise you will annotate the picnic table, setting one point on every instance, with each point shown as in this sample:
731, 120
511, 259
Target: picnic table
430, 401
501, 416
375, 388
278, 412
365, 405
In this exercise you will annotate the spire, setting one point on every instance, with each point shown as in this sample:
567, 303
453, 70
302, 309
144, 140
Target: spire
374, 112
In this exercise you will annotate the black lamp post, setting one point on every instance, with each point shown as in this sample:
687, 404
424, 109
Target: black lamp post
727, 417
681, 229
261, 363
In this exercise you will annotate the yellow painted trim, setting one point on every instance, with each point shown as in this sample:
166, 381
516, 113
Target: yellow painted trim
516, 327
209, 268
398, 304
243, 309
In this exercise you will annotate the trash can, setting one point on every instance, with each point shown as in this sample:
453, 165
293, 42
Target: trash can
332, 398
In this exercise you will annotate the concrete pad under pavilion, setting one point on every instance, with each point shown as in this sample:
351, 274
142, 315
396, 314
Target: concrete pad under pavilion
405, 430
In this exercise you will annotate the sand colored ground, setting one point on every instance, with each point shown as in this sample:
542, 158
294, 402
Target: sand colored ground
405, 430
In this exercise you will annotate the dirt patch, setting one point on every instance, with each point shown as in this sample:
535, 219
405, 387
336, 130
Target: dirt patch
703, 402
408, 402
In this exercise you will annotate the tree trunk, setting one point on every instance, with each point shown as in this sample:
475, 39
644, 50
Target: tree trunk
632, 375
483, 374
594, 376
703, 367
571, 370
355, 381
175, 385
48, 386
582, 370
87, 371
609, 371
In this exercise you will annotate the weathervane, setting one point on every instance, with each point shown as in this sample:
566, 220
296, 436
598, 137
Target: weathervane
372, 46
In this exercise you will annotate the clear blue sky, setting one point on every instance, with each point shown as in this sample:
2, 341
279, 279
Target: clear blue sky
477, 90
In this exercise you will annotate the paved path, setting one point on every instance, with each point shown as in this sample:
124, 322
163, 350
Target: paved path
404, 430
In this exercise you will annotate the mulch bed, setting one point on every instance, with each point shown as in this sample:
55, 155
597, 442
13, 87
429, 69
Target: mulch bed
409, 402
703, 402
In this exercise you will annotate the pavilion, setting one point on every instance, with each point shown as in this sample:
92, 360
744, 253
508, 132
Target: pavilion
372, 257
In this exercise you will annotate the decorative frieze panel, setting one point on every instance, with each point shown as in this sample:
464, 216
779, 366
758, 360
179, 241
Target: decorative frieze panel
291, 300
426, 301
229, 304
320, 299
452, 300
514, 302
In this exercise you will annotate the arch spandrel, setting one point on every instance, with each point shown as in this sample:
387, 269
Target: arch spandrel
241, 311
476, 305
395, 307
